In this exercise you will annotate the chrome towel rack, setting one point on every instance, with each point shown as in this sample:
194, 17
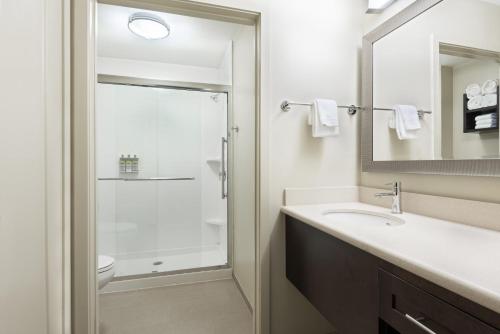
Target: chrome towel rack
351, 110
286, 106
421, 113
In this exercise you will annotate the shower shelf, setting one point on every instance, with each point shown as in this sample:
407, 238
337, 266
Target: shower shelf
216, 222
146, 179
214, 160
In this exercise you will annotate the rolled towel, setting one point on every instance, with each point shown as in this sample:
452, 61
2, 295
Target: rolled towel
489, 87
486, 117
475, 103
489, 100
473, 90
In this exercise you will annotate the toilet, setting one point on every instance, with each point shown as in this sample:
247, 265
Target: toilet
105, 270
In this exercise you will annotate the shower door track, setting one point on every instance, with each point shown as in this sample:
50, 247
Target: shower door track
170, 273
186, 86
179, 85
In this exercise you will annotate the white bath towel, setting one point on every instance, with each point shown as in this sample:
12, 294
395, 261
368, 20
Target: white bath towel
489, 87
475, 102
473, 90
406, 121
479, 127
325, 121
487, 122
489, 100
486, 117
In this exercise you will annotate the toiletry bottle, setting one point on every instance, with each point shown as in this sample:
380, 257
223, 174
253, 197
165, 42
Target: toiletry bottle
135, 164
122, 164
128, 164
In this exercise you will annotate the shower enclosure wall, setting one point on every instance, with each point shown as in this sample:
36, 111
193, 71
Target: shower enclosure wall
160, 152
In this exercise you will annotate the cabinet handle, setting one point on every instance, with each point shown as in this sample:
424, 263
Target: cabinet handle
419, 324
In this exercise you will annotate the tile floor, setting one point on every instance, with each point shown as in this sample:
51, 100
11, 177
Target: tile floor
203, 308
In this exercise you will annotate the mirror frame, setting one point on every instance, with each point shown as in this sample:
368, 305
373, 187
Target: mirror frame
486, 167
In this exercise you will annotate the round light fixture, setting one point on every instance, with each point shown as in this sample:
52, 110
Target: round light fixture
148, 26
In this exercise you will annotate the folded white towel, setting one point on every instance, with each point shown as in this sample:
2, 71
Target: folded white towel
489, 100
473, 90
487, 122
479, 127
325, 121
406, 121
475, 102
486, 116
489, 87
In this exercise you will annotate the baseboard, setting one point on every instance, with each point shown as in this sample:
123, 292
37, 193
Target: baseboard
168, 280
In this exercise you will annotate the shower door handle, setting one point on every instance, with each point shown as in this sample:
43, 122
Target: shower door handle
223, 167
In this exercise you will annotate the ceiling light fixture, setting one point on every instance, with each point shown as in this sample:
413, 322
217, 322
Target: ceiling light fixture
148, 26
378, 6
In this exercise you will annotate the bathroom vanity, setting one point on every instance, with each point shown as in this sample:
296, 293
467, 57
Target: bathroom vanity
366, 276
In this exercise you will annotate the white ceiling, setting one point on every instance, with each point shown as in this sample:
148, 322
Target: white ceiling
495, 2
192, 41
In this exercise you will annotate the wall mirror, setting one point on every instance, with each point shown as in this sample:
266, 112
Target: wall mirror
430, 90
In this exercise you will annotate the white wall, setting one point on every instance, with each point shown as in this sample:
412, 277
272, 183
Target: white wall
31, 181
243, 148
165, 71
315, 49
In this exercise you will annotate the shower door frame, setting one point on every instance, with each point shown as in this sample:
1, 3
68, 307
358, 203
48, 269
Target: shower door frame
81, 36
194, 87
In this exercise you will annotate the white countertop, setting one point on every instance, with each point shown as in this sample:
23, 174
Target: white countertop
461, 258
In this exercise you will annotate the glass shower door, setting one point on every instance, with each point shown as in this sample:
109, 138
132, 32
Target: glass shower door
167, 214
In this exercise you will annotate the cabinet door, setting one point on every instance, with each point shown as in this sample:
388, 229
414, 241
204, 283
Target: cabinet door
413, 311
337, 278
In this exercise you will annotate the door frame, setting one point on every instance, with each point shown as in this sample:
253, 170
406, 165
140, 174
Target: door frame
84, 301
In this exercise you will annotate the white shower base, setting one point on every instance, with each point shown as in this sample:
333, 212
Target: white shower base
165, 261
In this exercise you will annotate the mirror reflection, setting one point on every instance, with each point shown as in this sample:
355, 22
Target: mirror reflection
435, 85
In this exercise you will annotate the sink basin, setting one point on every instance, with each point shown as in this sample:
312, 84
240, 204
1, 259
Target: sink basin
368, 218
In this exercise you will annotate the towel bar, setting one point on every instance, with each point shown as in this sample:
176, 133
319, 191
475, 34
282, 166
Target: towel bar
421, 113
351, 110
286, 106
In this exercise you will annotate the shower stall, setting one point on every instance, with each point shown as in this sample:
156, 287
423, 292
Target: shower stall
162, 164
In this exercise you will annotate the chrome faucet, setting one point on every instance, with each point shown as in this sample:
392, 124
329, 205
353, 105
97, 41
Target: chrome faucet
396, 197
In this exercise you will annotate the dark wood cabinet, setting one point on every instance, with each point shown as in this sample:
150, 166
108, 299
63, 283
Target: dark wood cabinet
362, 294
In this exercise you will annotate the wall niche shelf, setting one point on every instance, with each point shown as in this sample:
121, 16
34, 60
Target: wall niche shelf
214, 160
216, 222
470, 115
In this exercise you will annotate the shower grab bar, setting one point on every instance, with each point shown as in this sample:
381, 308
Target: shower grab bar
223, 168
146, 179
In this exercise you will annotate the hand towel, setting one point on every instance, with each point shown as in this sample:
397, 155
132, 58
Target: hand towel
473, 90
486, 116
489, 100
406, 121
475, 103
325, 121
489, 87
